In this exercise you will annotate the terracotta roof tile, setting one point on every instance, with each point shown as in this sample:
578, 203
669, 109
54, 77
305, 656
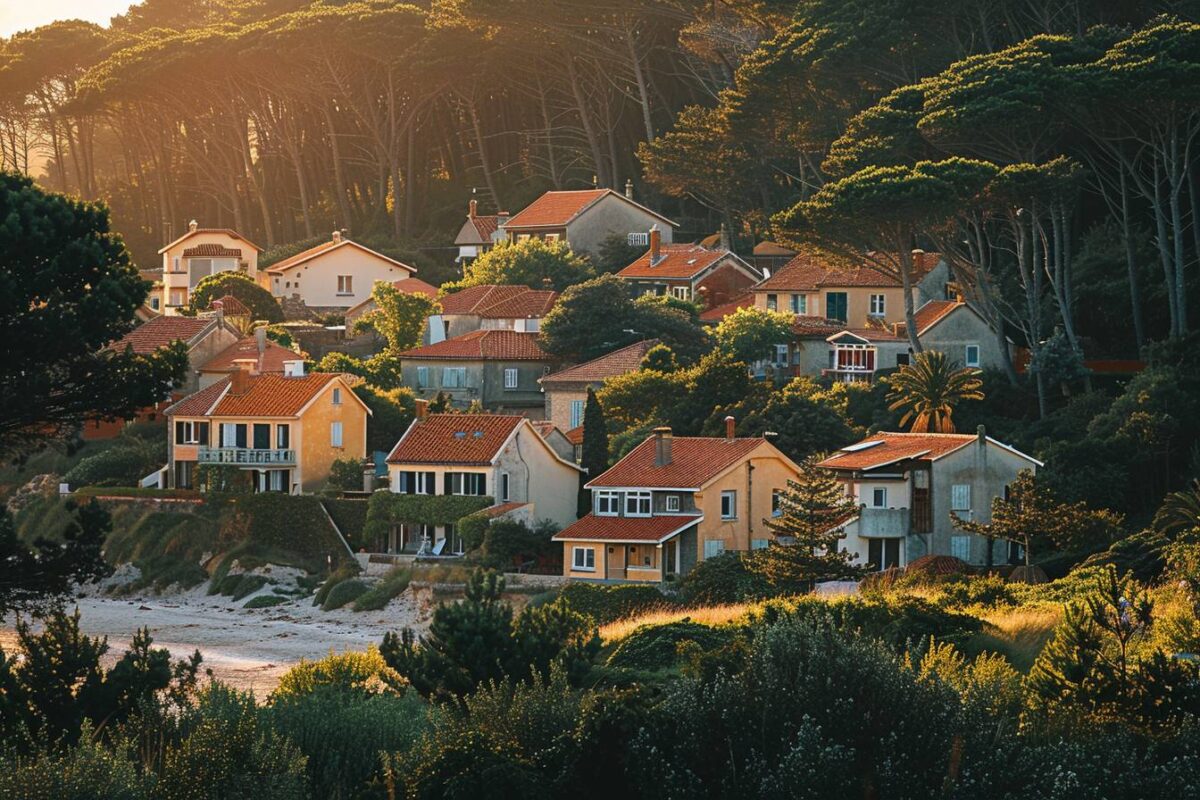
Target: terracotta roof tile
484, 345
618, 362
887, 448
929, 315
232, 234
870, 334
274, 395
816, 327
464, 439
160, 332
718, 313
491, 512
474, 298
695, 460
575, 435
272, 361
324, 247
651, 530
416, 286
528, 304
678, 261
198, 403
230, 305
211, 251
555, 209
807, 273
485, 225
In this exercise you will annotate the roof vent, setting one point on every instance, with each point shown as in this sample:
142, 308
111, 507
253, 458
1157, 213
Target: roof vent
293, 369
854, 448
478, 434
192, 226
460, 434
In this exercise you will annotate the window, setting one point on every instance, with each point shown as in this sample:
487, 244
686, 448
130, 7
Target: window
262, 436
471, 484
729, 504
454, 377
154, 302
175, 265
781, 355
681, 292
879, 497
510, 378
583, 558
416, 483
960, 547
335, 434
901, 359
607, 503
713, 547
345, 284
960, 497
191, 433
552, 237
637, 504
233, 435
337, 396
576, 413
504, 487
283, 436
422, 377
835, 306
883, 553
972, 359
799, 304
672, 502
878, 306
772, 302
776, 503
759, 544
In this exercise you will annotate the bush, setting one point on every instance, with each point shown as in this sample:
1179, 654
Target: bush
116, 466
382, 593
344, 572
266, 601
894, 620
344, 592
238, 586
656, 647
606, 604
260, 302
726, 578
350, 516
359, 672
989, 591
87, 771
346, 474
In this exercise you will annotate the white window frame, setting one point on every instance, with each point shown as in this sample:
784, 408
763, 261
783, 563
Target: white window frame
638, 504
608, 503
681, 292
879, 497
577, 409
228, 434
588, 561
337, 396
799, 304
511, 377
731, 496
283, 431
672, 502
504, 487
335, 434
553, 237
967, 360
781, 355
460, 377
772, 302
345, 285
878, 305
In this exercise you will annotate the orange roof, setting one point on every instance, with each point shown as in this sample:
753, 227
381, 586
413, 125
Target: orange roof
230, 305
325, 247
160, 332
474, 298
485, 225
232, 234
491, 512
888, 448
575, 435
648, 530
272, 359
482, 346
807, 273
679, 261
869, 334
473, 439
416, 286
933, 312
212, 251
559, 209
695, 460
767, 248
618, 362
199, 403
718, 313
527, 304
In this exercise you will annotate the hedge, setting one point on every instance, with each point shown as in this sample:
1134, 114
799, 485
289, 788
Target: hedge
387, 508
655, 647
129, 491
351, 518
606, 604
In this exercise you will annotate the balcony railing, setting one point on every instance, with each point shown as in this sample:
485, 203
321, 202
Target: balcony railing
247, 457
884, 522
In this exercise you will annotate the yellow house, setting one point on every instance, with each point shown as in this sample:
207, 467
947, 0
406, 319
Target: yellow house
675, 501
286, 429
199, 253
335, 275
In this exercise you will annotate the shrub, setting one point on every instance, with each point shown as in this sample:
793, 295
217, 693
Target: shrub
606, 604
929, 566
342, 573
987, 591
86, 771
116, 466
655, 647
260, 302
894, 620
239, 586
382, 593
350, 516
360, 672
344, 592
266, 601
346, 474
726, 578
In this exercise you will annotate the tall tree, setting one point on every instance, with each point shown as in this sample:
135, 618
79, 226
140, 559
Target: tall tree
35, 575
594, 458
929, 388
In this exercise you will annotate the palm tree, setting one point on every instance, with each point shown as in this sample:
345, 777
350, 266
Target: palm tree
1180, 512
929, 388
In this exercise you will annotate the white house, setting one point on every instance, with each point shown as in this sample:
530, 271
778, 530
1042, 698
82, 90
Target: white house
336, 275
199, 253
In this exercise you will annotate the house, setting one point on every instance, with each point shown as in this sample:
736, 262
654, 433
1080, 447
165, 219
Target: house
859, 297
154, 300
479, 233
673, 502
498, 368
557, 439
490, 307
769, 256
907, 484
204, 337
566, 390
404, 286
265, 356
477, 455
284, 430
716, 315
586, 219
955, 328
826, 347
710, 276
333, 276
199, 253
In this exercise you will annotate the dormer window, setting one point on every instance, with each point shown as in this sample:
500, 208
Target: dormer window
608, 503
637, 504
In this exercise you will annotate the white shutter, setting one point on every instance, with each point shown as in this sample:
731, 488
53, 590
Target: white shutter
960, 547
960, 497
335, 434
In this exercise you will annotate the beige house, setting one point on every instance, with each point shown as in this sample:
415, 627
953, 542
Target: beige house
479, 233
907, 484
477, 455
585, 219
333, 276
673, 502
566, 390
205, 337
199, 253
711, 277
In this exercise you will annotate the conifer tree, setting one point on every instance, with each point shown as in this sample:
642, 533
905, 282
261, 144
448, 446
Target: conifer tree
595, 447
812, 513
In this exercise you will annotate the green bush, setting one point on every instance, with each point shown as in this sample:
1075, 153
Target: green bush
342, 573
895, 620
379, 595
116, 466
344, 592
359, 672
726, 578
351, 517
346, 474
606, 604
260, 302
388, 508
962, 592
266, 601
655, 647
240, 585
87, 771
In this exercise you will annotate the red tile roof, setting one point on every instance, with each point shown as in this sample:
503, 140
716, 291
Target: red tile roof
648, 530
618, 362
870, 334
807, 273
485, 345
491, 512
718, 313
474, 298
199, 403
695, 460
816, 327
325, 247
230, 305
416, 286
775, 249
929, 315
274, 395
272, 360
555, 209
888, 448
528, 304
678, 261
232, 234
464, 439
211, 251
575, 435
160, 332
485, 225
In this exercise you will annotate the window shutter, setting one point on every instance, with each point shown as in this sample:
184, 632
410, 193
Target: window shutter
430, 483
960, 497
240, 433
482, 485
447, 486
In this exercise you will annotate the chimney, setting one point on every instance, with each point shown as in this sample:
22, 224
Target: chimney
192, 226
655, 244
337, 236
471, 208
981, 435
241, 375
293, 369
724, 237
595, 182
260, 339
422, 407
662, 447
629, 188
730, 425
218, 310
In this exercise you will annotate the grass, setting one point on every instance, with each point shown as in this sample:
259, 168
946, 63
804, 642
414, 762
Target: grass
704, 615
1018, 634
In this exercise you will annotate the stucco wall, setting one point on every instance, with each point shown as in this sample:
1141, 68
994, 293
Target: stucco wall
723, 284
611, 215
754, 487
203, 352
485, 382
315, 450
316, 280
180, 280
536, 476
961, 328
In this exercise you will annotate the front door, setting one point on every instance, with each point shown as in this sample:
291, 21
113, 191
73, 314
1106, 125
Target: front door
614, 565
836, 305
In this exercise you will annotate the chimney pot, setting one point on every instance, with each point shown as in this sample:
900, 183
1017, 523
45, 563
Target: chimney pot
193, 226
730, 425
655, 244
662, 447
981, 434
724, 237
422, 409
471, 208
337, 236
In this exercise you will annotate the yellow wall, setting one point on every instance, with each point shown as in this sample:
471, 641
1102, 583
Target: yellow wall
858, 303
313, 448
316, 280
753, 502
558, 406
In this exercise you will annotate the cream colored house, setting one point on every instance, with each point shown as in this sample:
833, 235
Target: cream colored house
199, 253
585, 219
333, 276
673, 502
500, 457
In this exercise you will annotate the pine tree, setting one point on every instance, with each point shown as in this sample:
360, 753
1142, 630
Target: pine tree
34, 575
595, 448
812, 514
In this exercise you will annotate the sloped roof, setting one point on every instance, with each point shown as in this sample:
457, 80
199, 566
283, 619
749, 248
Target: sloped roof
463, 439
475, 298
816, 327
491, 512
526, 305
226, 231
718, 313
869, 334
416, 286
481, 225
160, 332
618, 362
807, 273
679, 261
274, 355
575, 435
274, 395
230, 305
212, 251
886, 448
768, 248
930, 314
560, 208
695, 460
484, 345
326, 247
647, 530
198, 403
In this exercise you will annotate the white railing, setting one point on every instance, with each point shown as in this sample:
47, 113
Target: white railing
244, 456
641, 239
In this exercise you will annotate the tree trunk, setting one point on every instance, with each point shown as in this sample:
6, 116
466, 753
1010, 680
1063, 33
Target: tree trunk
339, 175
585, 117
1135, 294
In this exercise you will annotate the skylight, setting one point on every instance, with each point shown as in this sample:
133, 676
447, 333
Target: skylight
854, 448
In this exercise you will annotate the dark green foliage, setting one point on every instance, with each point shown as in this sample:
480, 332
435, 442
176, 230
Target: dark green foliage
34, 574
594, 456
346, 474
275, 522
895, 621
535, 262
343, 573
88, 771
655, 647
265, 601
506, 544
386, 508
728, 578
351, 518
391, 414
378, 596
260, 302
344, 592
605, 604
121, 465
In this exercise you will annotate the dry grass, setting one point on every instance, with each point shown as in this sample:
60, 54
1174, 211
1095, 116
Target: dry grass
705, 615
1019, 634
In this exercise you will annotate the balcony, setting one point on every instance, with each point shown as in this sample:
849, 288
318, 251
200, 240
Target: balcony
884, 522
243, 457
